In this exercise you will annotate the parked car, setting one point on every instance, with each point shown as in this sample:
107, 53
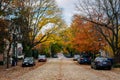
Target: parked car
55, 56
84, 59
75, 58
28, 61
42, 58
101, 63
20, 57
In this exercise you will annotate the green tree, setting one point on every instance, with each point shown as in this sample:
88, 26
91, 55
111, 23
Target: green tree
35, 19
39, 16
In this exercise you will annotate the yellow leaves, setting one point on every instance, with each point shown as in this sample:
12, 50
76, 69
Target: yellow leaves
37, 38
109, 50
49, 12
43, 22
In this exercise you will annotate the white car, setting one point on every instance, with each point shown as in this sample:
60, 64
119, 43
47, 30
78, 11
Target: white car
75, 58
20, 56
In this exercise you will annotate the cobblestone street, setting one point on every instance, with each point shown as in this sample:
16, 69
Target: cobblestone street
59, 39
66, 69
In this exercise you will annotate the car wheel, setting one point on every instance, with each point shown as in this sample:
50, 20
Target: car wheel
33, 65
95, 67
109, 68
23, 66
91, 66
80, 62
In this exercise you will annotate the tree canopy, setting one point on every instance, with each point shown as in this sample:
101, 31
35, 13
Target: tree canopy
105, 14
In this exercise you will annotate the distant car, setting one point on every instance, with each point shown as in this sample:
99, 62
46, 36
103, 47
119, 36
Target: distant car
67, 55
20, 57
101, 63
42, 58
28, 61
84, 59
75, 58
55, 56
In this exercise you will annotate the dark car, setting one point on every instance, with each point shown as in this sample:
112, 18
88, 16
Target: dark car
75, 58
84, 59
101, 63
28, 61
42, 58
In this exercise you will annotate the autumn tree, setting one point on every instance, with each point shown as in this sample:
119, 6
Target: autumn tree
56, 42
66, 40
30, 19
105, 14
35, 18
4, 32
4, 7
86, 38
4, 12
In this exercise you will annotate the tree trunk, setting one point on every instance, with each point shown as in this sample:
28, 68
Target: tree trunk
8, 55
117, 57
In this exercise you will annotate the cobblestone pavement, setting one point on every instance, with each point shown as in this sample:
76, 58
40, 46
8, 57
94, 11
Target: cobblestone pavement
66, 69
12, 72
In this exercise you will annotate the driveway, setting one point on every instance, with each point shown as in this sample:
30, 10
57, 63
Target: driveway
67, 69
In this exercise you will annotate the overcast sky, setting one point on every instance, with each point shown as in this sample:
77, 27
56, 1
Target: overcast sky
68, 7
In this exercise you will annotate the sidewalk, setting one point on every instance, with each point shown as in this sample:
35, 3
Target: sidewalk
16, 71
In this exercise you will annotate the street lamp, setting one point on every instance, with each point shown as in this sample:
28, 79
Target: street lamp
16, 36
14, 39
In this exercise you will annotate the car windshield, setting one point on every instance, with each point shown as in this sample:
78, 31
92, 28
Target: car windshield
41, 56
101, 59
76, 55
28, 58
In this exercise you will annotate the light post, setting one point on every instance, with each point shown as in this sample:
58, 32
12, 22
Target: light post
15, 38
14, 56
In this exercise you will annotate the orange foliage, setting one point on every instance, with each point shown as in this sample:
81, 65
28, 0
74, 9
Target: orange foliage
86, 38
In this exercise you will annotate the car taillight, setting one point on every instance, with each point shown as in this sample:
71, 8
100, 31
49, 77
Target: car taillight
81, 58
109, 63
